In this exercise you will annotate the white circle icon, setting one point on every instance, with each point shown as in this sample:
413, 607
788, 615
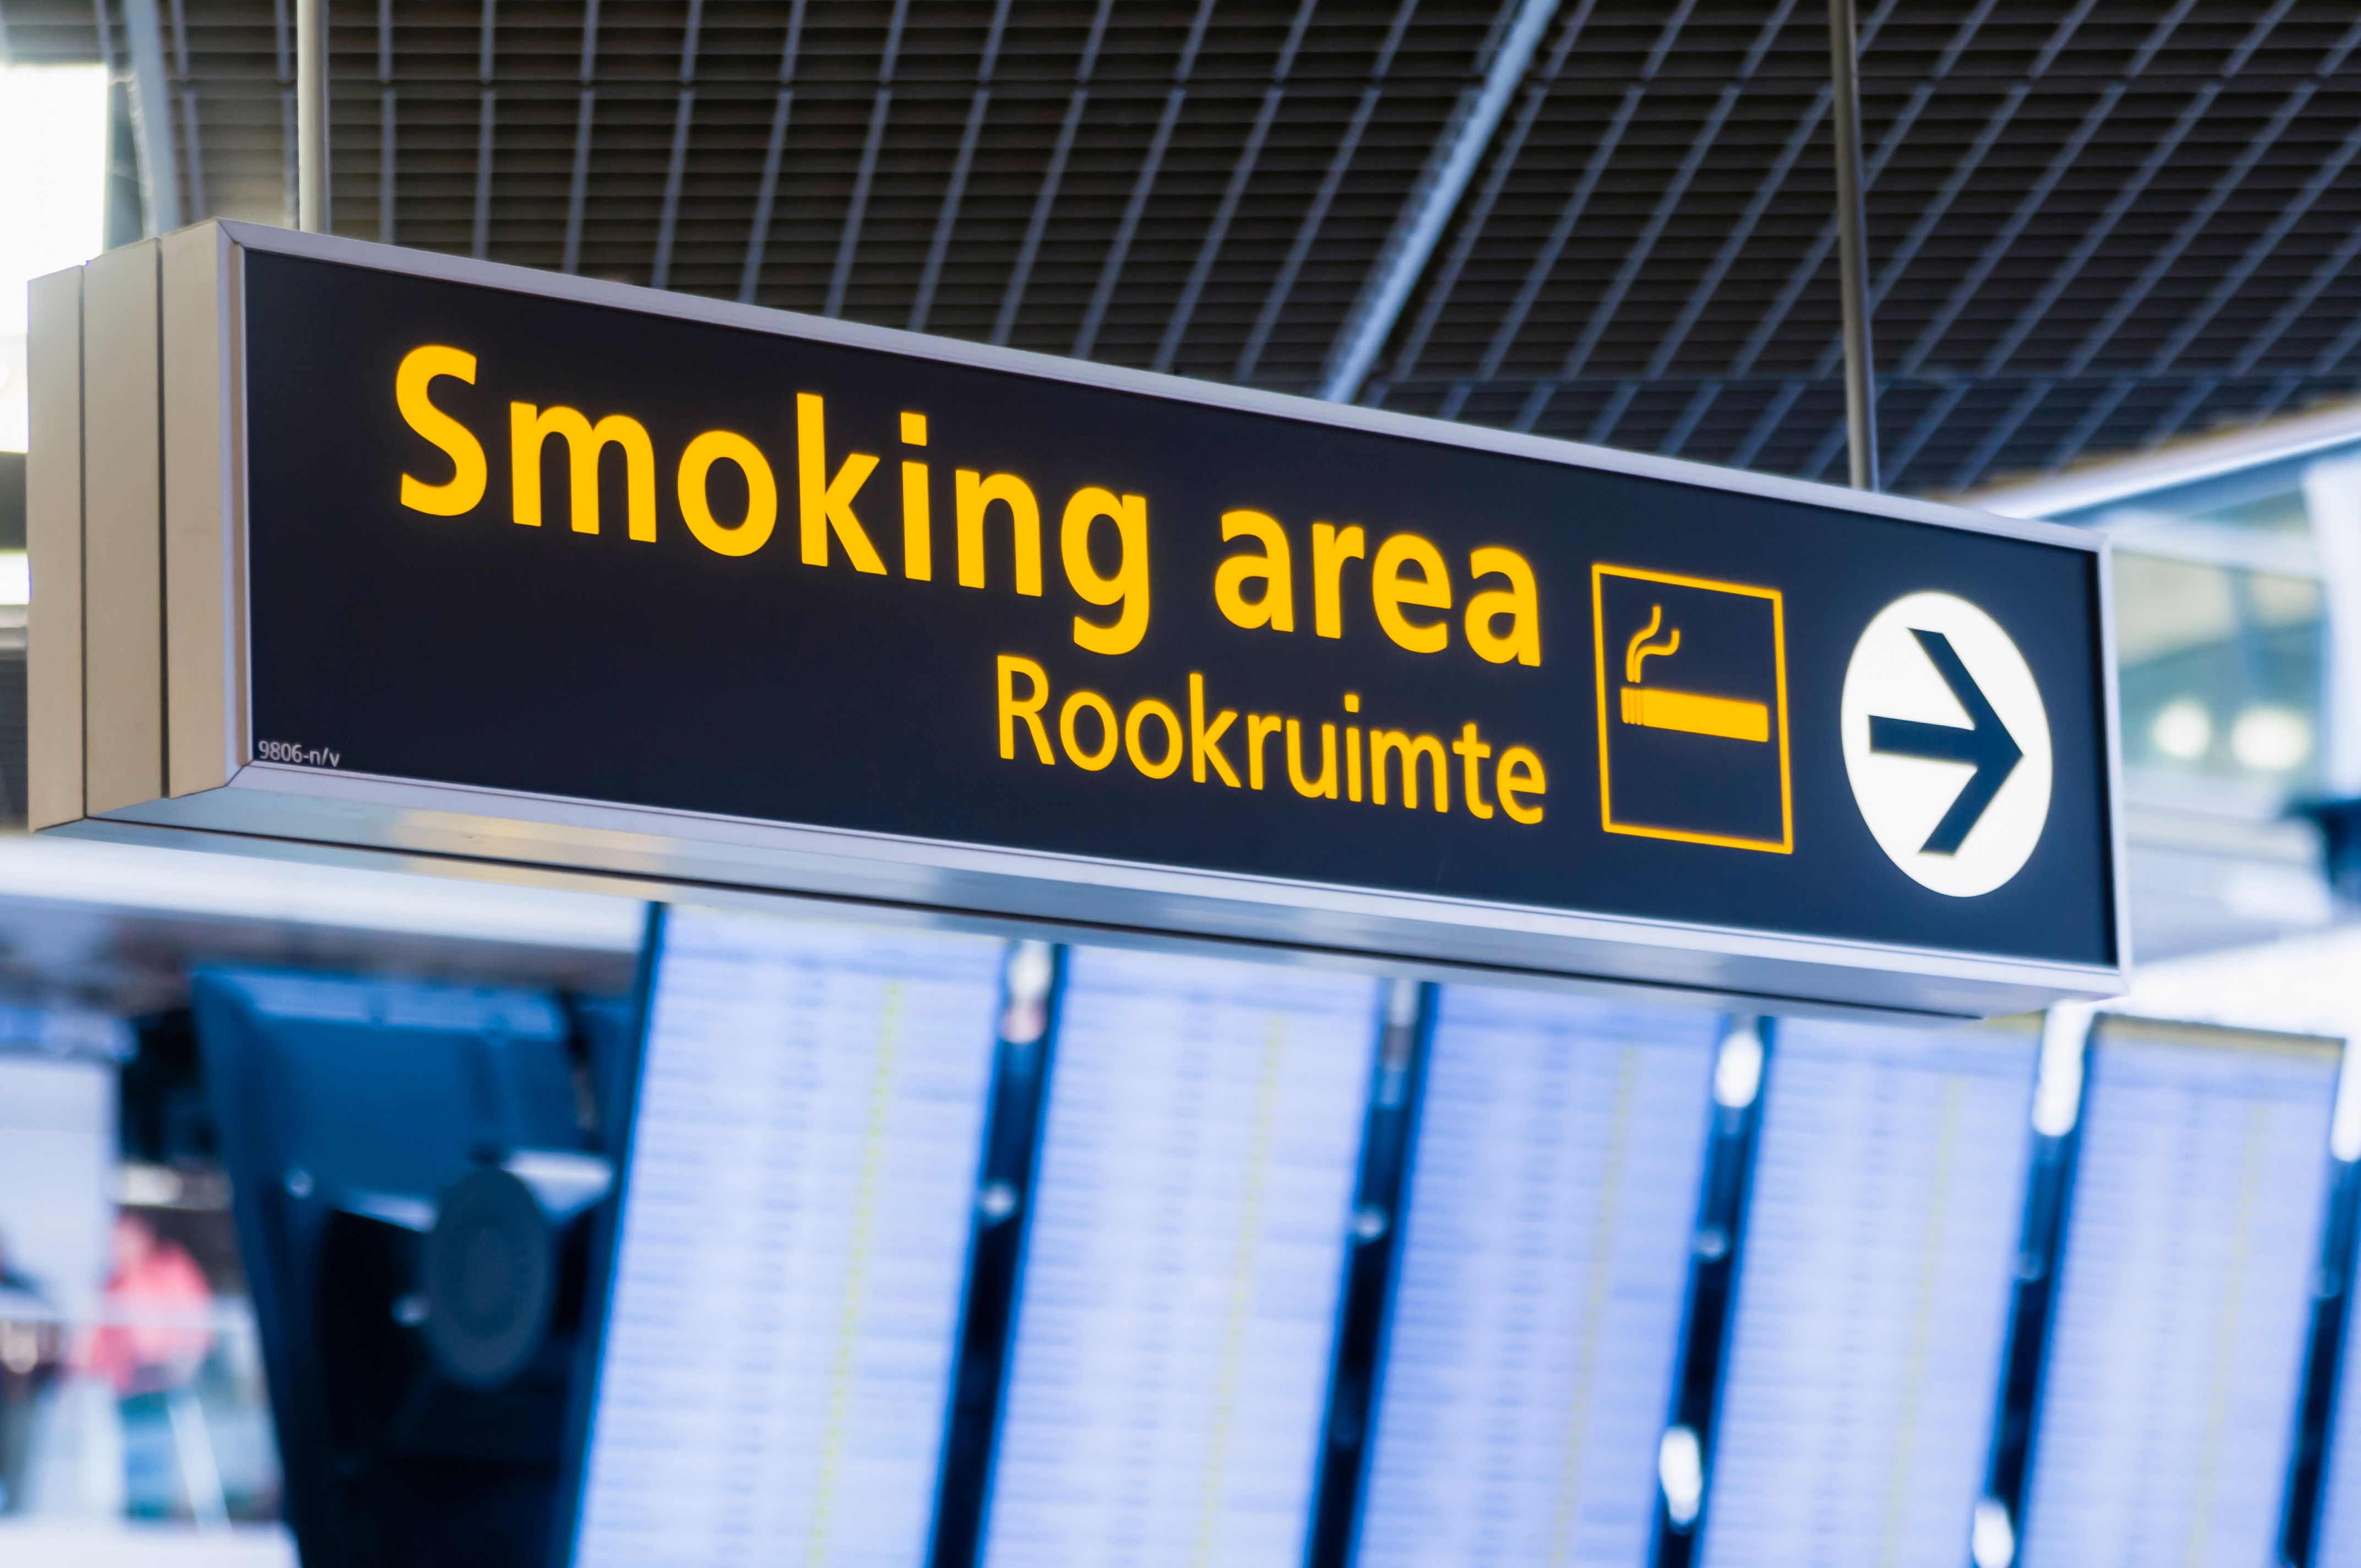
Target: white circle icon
1946, 743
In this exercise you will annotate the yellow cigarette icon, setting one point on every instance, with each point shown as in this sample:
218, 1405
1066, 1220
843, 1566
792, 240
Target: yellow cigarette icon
1654, 707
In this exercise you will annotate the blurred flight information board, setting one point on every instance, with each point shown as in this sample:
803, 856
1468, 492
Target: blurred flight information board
1857, 1409
1179, 1299
793, 1243
2184, 1297
1537, 1313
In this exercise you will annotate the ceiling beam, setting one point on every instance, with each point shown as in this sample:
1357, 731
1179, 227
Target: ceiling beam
1998, 434
955, 192
1218, 233
2235, 277
1143, 185
758, 233
2166, 256
151, 117
1444, 180
1971, 284
1307, 233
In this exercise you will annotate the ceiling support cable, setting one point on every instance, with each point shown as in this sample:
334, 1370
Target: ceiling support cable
387, 165
192, 153
577, 187
1963, 174
1809, 266
481, 245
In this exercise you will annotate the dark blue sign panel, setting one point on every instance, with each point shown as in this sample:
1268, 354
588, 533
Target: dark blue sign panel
543, 539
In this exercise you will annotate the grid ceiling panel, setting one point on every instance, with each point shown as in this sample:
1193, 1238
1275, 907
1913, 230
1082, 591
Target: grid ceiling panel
2095, 225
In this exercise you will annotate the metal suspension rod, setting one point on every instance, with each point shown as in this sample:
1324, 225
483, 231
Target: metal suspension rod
1852, 262
311, 115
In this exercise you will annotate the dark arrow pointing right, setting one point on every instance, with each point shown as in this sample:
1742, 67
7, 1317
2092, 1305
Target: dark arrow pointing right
1986, 744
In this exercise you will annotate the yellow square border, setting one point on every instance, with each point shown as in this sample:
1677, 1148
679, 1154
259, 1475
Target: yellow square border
1600, 573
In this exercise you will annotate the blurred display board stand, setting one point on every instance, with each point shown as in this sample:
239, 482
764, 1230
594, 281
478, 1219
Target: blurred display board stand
413, 1167
1856, 1410
1538, 1310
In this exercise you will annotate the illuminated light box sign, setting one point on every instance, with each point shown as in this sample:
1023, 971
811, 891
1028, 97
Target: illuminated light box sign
348, 547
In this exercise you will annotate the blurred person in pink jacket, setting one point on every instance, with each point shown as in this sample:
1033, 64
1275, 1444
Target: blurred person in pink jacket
156, 1335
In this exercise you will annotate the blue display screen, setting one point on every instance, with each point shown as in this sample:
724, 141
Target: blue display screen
2169, 1399
792, 1247
1864, 1366
1538, 1307
1178, 1309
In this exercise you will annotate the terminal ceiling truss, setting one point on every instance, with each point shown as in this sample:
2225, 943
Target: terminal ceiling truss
2095, 225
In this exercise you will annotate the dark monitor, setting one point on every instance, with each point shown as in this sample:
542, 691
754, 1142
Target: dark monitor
1537, 1309
411, 1164
2168, 1408
1857, 1404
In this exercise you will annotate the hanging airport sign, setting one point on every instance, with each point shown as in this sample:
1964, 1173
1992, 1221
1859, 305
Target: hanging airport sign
345, 547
